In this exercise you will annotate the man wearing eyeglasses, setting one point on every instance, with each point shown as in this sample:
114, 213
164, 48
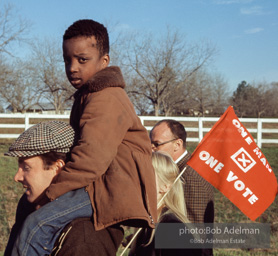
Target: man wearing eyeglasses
170, 136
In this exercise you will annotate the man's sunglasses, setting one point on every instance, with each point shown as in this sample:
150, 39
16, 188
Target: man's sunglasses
156, 144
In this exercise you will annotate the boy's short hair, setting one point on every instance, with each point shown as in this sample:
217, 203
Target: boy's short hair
88, 28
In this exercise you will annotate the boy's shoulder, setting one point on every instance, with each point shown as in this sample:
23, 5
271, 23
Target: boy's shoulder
108, 95
110, 77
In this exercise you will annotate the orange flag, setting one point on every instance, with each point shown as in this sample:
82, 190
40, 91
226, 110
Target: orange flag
230, 160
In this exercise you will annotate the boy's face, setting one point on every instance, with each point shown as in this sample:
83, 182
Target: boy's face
82, 59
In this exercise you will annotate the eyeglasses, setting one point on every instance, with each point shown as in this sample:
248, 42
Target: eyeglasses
156, 144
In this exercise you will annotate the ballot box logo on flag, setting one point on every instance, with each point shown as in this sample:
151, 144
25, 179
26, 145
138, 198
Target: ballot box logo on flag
243, 160
230, 160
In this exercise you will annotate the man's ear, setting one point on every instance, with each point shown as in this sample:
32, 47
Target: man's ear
59, 165
178, 144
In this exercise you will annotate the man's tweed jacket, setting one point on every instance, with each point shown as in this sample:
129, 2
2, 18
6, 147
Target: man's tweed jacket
198, 193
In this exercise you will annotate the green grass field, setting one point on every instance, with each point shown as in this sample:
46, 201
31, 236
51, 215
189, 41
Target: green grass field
225, 211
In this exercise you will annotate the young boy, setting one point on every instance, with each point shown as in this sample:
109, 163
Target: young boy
110, 164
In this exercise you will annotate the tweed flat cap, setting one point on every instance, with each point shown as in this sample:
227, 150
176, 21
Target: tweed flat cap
42, 138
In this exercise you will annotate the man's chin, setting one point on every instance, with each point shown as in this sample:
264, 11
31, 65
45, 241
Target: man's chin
30, 199
40, 200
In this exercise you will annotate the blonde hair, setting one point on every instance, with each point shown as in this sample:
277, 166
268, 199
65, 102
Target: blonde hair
167, 172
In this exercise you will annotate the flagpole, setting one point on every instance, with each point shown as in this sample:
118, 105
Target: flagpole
160, 201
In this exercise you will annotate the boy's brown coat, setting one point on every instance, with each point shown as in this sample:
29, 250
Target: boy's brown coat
112, 157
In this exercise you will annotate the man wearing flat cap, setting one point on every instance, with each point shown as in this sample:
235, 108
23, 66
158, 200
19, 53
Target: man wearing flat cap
42, 152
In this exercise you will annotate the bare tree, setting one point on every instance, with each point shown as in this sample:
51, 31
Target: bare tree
48, 68
161, 67
220, 95
264, 99
202, 93
39, 79
257, 100
19, 88
271, 97
12, 29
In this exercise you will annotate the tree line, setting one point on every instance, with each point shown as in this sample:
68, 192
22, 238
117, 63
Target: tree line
165, 75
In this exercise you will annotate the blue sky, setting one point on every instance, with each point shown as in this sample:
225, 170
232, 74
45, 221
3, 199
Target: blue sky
245, 32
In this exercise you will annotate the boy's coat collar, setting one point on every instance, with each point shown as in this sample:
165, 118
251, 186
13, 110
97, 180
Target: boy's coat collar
108, 77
